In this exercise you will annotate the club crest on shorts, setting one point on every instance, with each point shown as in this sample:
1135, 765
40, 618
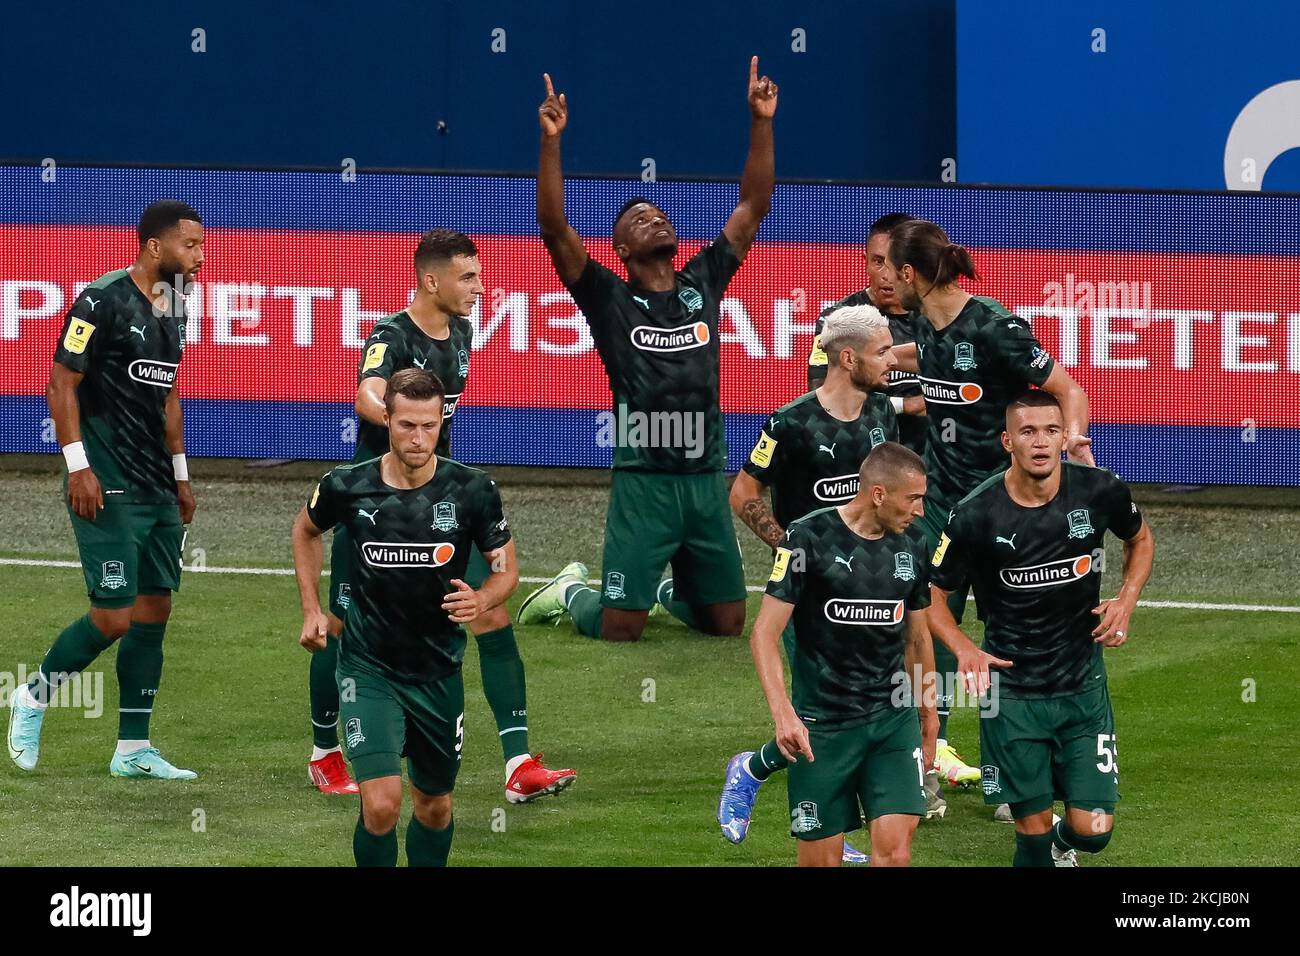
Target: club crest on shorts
353, 732
804, 819
691, 298
614, 586
444, 516
989, 779
114, 576
964, 360
904, 570
1080, 523
877, 437
345, 596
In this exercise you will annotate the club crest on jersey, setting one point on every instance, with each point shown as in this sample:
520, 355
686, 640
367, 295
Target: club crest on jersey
877, 437
353, 731
114, 577
614, 586
904, 570
864, 612
345, 596
383, 554
152, 372
444, 516
462, 362
964, 360
691, 298
804, 819
990, 779
1080, 523
1047, 575
693, 335
836, 489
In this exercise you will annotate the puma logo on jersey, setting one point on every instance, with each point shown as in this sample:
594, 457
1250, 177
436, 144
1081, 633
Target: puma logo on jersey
138, 330
92, 303
847, 562
645, 303
830, 451
1008, 541
419, 364
361, 513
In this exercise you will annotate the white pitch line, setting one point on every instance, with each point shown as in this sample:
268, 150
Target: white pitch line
753, 588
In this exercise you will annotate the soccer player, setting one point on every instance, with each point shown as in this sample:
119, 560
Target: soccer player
854, 581
431, 333
657, 336
903, 386
412, 517
117, 414
973, 356
1031, 542
809, 454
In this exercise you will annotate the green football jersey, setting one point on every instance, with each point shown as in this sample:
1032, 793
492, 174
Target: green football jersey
970, 371
811, 459
660, 351
395, 343
129, 353
1036, 573
408, 545
902, 327
851, 596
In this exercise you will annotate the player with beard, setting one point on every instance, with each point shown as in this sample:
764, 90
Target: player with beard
657, 336
117, 414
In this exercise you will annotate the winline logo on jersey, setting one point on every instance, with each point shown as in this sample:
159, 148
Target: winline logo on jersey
867, 612
647, 338
636, 429
951, 393
152, 372
836, 489
382, 554
1047, 575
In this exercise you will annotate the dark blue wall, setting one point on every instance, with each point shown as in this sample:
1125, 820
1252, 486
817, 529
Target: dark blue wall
285, 84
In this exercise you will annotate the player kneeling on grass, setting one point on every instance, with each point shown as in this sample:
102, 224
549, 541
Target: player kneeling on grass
412, 519
854, 579
1030, 541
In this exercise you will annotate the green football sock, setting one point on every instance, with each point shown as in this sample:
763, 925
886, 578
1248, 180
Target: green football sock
945, 667
1066, 839
323, 688
503, 686
371, 850
678, 609
71, 653
584, 607
766, 761
1033, 849
139, 668
426, 846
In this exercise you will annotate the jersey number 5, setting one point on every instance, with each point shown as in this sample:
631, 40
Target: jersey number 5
1109, 753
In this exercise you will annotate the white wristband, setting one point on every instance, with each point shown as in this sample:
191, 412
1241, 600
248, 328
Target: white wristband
897, 403
179, 468
75, 455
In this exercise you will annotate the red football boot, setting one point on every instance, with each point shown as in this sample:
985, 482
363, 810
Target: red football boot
330, 774
532, 780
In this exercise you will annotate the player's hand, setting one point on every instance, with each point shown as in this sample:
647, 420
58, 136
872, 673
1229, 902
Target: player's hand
1113, 629
792, 736
1078, 448
185, 496
464, 604
973, 664
762, 93
553, 114
84, 494
315, 627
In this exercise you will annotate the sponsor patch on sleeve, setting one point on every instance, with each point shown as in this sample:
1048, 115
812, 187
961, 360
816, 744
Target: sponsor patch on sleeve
818, 354
762, 453
940, 551
374, 356
315, 496
1039, 357
78, 336
781, 565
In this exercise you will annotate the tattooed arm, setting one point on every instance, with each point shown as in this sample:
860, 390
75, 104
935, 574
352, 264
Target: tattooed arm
748, 505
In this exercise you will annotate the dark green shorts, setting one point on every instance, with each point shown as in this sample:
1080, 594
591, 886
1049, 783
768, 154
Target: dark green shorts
129, 549
1037, 750
659, 519
868, 770
341, 558
384, 720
